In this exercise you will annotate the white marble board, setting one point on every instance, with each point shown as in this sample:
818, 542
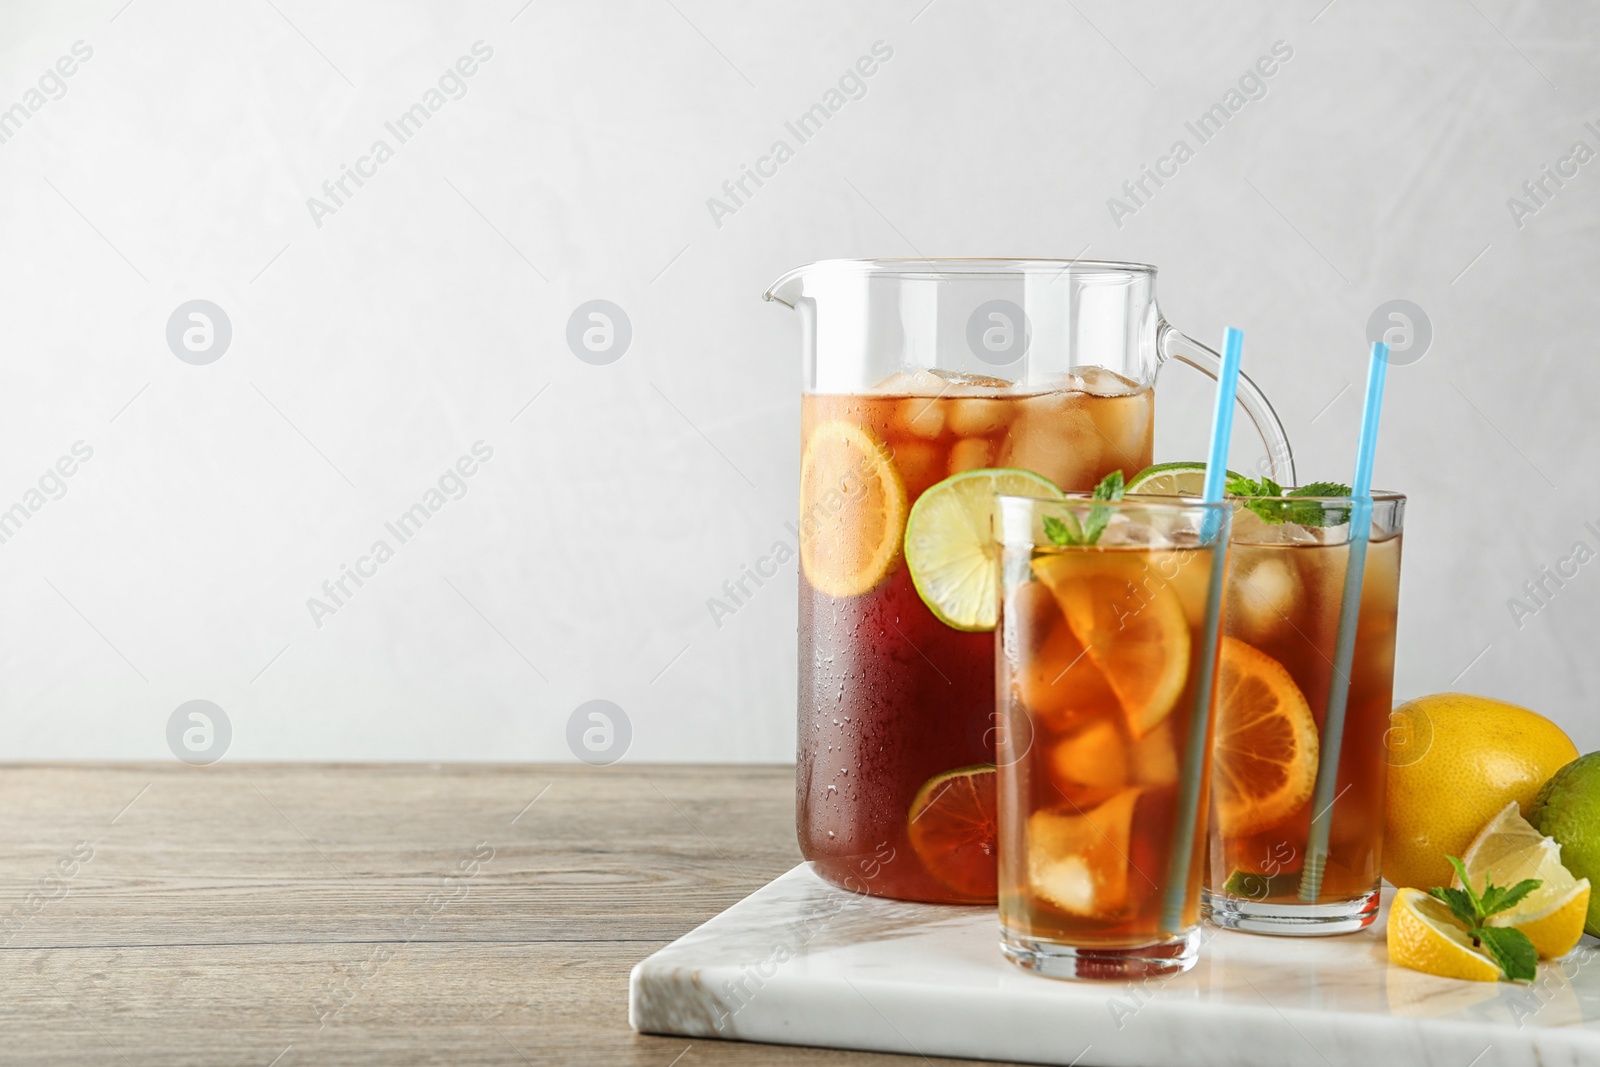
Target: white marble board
801, 963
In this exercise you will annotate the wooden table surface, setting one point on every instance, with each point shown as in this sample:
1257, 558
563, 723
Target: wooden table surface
263, 914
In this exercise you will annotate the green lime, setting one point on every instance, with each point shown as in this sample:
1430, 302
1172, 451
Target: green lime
1245, 885
950, 544
1171, 479
1568, 809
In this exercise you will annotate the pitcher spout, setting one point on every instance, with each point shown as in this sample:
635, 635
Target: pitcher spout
787, 289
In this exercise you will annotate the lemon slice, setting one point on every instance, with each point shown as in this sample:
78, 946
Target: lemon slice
1506, 851
1264, 762
950, 543
852, 505
1424, 936
1171, 479
1133, 629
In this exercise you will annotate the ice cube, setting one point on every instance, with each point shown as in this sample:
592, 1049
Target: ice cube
920, 416
1078, 861
912, 383
1126, 424
1292, 533
1155, 758
1050, 383
970, 454
1055, 435
1265, 587
1102, 382
1092, 760
979, 416
958, 383
1128, 531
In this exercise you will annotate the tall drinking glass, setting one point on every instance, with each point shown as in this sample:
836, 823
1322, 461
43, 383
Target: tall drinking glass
1290, 555
1106, 656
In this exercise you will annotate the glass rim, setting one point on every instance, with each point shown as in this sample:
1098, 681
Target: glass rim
1379, 496
1144, 502
913, 267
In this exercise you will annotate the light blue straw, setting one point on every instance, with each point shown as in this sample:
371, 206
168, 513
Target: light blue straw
1213, 528
1344, 649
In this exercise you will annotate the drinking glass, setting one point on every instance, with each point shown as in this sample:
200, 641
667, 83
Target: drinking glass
1106, 677
1281, 623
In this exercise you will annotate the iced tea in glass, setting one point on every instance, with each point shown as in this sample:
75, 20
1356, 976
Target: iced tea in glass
1280, 630
1106, 676
897, 706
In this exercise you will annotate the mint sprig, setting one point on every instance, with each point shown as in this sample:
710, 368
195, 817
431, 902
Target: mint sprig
1068, 532
1508, 946
1279, 511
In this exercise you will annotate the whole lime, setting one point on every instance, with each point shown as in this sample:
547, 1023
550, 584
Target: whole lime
1568, 809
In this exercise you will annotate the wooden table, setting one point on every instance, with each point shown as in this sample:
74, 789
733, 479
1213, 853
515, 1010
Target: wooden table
261, 914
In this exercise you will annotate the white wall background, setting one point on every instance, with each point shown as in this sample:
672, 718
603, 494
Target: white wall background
369, 352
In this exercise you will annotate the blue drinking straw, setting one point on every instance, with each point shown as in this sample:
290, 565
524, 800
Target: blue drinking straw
1189, 799
1344, 649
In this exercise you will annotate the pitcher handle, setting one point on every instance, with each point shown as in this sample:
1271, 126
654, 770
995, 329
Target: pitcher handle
1173, 344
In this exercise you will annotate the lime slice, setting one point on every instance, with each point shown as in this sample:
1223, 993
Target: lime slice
952, 827
1171, 479
950, 545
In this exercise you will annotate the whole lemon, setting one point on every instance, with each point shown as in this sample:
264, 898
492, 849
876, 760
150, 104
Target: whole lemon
1455, 760
1568, 809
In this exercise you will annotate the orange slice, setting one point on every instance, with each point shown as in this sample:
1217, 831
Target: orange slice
1265, 759
852, 510
953, 830
1132, 625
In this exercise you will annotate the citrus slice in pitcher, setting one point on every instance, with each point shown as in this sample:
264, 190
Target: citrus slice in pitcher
954, 831
950, 543
1131, 625
1171, 479
1264, 762
852, 508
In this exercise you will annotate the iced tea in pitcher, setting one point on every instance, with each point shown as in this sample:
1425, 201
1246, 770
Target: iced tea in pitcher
927, 387
895, 787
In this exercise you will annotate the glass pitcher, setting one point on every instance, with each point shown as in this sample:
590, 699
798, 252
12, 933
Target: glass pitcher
915, 370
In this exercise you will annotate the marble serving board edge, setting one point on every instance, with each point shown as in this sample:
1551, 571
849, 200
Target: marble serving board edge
800, 962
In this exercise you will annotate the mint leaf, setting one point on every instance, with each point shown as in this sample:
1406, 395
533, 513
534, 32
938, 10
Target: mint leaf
1321, 489
1460, 903
1511, 949
1069, 533
1061, 533
1505, 899
1472, 894
1239, 485
1314, 514
1277, 512
1110, 488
